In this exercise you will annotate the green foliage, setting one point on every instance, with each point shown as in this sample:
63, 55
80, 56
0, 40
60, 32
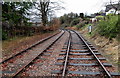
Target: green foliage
80, 25
14, 19
110, 14
68, 18
74, 22
4, 35
109, 27
99, 17
72, 19
14, 12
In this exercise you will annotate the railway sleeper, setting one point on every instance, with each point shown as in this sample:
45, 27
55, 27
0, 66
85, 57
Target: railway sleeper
84, 64
7, 72
89, 45
80, 58
79, 50
75, 50
84, 73
79, 43
91, 73
79, 54
93, 48
47, 54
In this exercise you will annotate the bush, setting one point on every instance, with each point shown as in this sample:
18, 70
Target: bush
11, 32
74, 22
4, 35
99, 17
80, 25
109, 27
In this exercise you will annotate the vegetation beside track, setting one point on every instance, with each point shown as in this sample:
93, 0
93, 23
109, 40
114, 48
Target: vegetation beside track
110, 27
107, 26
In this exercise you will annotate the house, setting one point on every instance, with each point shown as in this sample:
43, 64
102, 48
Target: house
112, 9
97, 16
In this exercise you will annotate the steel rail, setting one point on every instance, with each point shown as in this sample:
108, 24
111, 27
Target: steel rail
30, 62
39, 42
66, 57
103, 67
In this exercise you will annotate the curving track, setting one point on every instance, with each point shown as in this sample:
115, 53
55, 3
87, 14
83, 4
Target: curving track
80, 58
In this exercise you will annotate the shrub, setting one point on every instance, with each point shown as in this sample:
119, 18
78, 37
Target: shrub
109, 27
80, 25
99, 17
4, 35
74, 22
11, 32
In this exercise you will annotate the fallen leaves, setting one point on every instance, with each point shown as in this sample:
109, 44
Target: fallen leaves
12, 47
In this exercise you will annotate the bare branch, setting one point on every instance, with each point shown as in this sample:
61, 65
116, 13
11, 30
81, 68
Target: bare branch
47, 8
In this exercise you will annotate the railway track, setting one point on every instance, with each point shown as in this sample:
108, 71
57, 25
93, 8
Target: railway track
14, 65
77, 58
80, 58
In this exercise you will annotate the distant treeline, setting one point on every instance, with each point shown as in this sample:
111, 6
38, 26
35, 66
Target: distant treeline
74, 19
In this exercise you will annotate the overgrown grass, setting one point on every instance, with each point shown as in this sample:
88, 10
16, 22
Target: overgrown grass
109, 27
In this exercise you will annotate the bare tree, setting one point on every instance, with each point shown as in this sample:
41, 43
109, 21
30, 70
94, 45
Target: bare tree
46, 8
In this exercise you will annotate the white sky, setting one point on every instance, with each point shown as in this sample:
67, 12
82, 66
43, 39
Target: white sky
82, 6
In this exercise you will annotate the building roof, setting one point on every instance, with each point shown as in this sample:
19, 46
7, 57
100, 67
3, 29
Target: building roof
113, 6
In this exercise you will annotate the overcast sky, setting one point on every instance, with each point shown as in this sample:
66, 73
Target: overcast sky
83, 6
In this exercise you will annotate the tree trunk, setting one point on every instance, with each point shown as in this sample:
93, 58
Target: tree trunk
44, 11
44, 19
